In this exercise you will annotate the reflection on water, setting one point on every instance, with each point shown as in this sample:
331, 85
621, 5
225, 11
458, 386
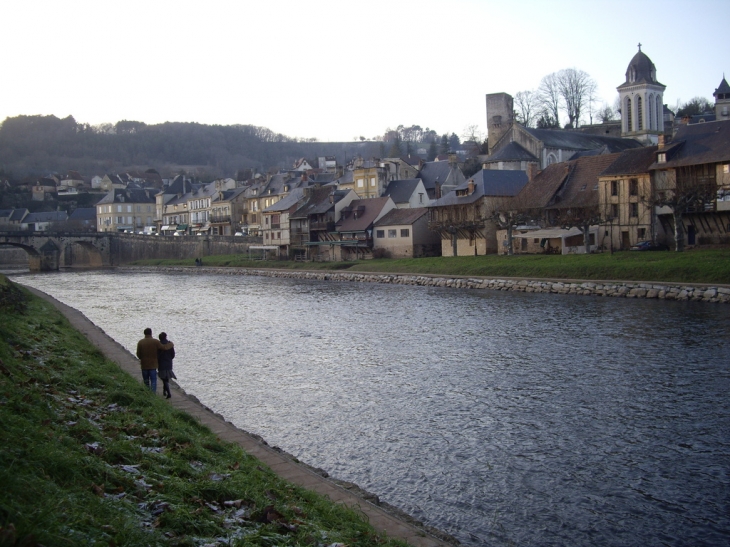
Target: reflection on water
501, 418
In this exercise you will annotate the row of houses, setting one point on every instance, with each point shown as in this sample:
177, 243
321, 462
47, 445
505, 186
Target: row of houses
599, 199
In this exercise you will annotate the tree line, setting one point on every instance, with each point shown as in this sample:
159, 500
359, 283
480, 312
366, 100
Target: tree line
38, 145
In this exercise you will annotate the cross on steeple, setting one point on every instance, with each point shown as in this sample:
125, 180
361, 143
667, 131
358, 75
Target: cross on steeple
639, 46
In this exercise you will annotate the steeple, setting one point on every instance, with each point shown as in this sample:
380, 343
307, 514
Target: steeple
642, 95
722, 100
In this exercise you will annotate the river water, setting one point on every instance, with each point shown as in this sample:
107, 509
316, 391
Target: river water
502, 418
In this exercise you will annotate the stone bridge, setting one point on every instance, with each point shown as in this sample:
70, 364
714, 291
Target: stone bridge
48, 251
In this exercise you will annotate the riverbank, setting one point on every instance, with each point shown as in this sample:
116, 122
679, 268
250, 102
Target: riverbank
614, 289
696, 266
91, 456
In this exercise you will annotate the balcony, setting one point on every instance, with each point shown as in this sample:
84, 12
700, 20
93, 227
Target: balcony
328, 226
220, 219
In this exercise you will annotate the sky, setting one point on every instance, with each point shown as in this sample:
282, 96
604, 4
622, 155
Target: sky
337, 70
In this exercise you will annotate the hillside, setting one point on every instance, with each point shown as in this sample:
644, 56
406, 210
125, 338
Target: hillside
37, 145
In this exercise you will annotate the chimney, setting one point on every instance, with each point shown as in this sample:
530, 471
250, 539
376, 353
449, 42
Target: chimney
332, 197
470, 186
452, 160
662, 141
531, 171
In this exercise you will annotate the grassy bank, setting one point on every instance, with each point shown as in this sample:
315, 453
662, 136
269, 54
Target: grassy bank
695, 266
88, 456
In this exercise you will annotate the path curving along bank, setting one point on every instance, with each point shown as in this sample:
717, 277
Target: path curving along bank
715, 293
381, 516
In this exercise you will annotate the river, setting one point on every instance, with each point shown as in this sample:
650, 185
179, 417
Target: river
501, 418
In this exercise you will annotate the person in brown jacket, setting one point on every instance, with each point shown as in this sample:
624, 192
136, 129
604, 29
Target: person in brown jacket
147, 355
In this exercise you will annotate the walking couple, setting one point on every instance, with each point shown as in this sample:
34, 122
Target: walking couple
156, 356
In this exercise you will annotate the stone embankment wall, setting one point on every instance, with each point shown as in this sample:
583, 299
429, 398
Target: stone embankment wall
619, 289
130, 247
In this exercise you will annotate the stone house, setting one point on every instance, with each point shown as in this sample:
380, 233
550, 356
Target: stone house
691, 178
312, 225
407, 194
276, 229
464, 219
565, 196
125, 210
355, 227
404, 233
367, 179
43, 188
226, 210
401, 168
41, 222
441, 177
625, 200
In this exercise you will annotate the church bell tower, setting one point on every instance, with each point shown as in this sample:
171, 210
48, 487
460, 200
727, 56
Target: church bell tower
642, 101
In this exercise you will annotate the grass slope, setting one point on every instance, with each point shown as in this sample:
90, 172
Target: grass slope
695, 266
90, 457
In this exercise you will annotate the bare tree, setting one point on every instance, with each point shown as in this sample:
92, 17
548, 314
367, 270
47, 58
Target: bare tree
527, 105
583, 218
605, 114
685, 190
549, 97
576, 88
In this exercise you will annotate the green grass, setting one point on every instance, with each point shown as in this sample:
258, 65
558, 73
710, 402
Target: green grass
88, 456
694, 266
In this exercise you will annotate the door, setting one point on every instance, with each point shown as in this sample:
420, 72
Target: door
691, 236
625, 243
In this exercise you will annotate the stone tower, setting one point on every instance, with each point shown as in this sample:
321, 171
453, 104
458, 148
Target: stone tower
500, 109
722, 101
642, 100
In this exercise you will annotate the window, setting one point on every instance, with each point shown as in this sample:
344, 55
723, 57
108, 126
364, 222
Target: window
641, 233
633, 187
119, 208
129, 208
661, 157
360, 183
614, 188
392, 233
372, 181
634, 209
405, 232
629, 124
614, 210
639, 112
523, 244
120, 220
380, 233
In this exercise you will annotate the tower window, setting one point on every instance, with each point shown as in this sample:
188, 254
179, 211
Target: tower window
639, 114
629, 125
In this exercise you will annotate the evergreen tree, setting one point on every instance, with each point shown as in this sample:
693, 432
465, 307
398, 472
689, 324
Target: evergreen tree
444, 148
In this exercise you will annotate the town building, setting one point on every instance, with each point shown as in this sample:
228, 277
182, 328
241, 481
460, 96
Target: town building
404, 233
125, 210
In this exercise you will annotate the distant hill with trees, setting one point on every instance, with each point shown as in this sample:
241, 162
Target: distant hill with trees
38, 145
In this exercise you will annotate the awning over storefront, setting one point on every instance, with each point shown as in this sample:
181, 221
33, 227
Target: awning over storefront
181, 227
166, 228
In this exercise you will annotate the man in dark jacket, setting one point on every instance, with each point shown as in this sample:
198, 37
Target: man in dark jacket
147, 355
164, 365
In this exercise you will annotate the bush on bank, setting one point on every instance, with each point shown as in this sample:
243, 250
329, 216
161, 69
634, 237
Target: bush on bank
91, 457
694, 266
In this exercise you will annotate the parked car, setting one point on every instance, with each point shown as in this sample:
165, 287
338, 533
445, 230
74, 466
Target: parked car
649, 246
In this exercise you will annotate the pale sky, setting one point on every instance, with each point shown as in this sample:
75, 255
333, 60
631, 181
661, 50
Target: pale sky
338, 69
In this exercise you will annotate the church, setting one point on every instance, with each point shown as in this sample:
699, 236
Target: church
514, 146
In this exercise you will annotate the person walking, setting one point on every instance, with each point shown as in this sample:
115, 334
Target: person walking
164, 365
147, 349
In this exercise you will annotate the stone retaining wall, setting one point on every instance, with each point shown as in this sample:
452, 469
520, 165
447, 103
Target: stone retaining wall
662, 291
